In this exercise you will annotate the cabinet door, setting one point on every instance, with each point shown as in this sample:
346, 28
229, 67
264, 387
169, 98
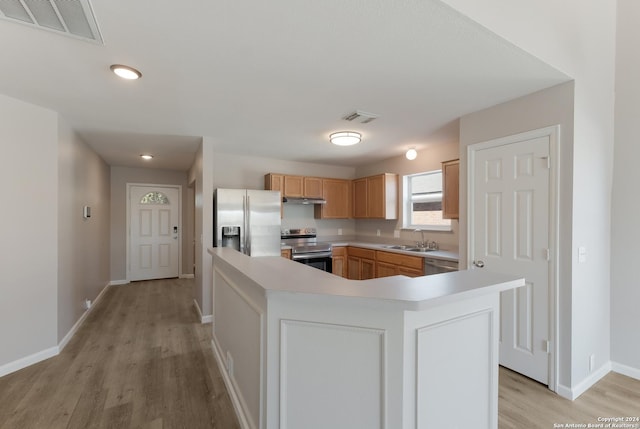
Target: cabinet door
384, 269
274, 182
336, 193
450, 189
353, 268
376, 200
337, 266
293, 186
367, 269
312, 187
360, 198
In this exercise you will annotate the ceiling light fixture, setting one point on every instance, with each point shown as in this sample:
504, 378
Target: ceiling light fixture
411, 154
345, 138
126, 72
146, 157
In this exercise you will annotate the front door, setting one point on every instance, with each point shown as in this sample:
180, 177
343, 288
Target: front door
510, 221
154, 225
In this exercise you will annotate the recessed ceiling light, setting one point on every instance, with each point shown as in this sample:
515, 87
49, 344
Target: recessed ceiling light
146, 157
345, 138
126, 72
411, 154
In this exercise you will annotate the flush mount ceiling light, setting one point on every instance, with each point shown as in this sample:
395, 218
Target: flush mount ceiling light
411, 154
345, 138
126, 72
146, 157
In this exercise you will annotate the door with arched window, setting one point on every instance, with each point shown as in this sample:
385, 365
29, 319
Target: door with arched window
154, 232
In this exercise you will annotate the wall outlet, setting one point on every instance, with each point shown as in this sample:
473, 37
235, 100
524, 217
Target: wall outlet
87, 304
378, 232
339, 231
592, 362
396, 233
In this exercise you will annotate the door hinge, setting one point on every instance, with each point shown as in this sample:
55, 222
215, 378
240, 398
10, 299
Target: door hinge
547, 254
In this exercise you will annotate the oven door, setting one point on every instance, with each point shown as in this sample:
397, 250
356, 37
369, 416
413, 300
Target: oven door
319, 260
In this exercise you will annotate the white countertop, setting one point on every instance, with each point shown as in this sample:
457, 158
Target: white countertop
280, 275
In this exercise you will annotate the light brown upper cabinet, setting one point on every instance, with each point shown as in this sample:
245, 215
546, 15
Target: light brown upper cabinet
450, 189
293, 186
274, 182
312, 187
336, 193
376, 197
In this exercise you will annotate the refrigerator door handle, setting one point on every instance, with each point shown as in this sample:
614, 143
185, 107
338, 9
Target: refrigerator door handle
248, 217
244, 224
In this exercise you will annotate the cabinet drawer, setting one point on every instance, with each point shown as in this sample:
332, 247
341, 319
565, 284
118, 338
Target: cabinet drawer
339, 251
403, 260
359, 252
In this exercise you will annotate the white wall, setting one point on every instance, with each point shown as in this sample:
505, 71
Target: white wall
83, 244
429, 159
625, 347
29, 245
120, 176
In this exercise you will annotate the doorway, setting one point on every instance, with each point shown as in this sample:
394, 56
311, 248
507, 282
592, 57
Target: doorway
154, 231
512, 225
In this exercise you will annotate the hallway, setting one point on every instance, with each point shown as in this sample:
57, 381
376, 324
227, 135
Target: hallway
141, 360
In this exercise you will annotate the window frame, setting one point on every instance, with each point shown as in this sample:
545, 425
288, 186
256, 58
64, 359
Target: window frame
407, 201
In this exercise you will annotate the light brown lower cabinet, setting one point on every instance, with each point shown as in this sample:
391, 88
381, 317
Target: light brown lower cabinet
368, 264
361, 263
339, 261
286, 253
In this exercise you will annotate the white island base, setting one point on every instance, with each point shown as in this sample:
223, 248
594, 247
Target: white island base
303, 349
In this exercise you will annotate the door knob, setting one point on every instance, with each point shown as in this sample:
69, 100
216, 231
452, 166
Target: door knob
479, 263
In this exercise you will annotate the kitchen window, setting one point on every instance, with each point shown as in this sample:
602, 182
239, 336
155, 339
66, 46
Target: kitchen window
423, 202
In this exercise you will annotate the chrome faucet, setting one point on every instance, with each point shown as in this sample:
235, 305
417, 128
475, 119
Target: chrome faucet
420, 243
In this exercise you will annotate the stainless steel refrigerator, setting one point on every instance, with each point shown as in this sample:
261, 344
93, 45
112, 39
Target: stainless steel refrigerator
247, 220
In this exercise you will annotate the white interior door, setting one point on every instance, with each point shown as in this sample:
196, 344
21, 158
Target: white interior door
510, 225
154, 226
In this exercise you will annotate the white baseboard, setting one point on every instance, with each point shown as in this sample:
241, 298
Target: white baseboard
63, 343
629, 371
572, 393
243, 418
26, 361
203, 319
186, 276
119, 282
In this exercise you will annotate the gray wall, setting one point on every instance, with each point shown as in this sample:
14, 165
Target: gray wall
625, 347
120, 176
29, 245
83, 244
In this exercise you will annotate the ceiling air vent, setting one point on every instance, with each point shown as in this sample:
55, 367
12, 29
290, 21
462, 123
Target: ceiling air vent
360, 116
71, 17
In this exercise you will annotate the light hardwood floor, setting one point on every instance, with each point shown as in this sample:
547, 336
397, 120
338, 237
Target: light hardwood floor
524, 403
140, 360
143, 360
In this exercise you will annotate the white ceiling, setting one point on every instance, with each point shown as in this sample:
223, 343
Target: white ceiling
267, 79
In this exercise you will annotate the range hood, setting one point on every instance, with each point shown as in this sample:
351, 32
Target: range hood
302, 200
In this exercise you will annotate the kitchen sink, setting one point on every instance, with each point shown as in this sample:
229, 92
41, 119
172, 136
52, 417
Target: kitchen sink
409, 248
420, 249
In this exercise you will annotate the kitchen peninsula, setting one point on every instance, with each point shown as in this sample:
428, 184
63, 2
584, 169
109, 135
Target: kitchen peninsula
299, 347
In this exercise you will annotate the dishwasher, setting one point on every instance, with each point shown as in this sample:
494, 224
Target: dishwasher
439, 266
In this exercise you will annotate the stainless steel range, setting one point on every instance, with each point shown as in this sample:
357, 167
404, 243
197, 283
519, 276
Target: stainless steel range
305, 248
